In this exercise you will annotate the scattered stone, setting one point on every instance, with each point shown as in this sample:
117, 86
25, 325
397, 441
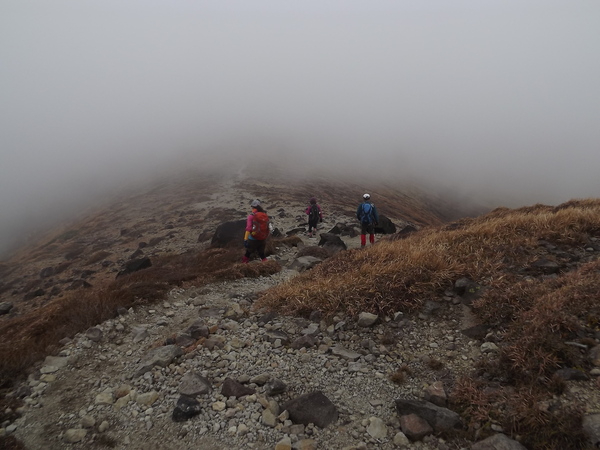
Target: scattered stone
74, 435
366, 319
5, 308
193, 384
314, 407
498, 442
232, 388
275, 387
94, 334
440, 419
436, 394
377, 428
161, 356
186, 408
415, 427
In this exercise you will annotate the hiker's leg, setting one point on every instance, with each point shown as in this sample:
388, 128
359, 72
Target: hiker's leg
260, 248
371, 229
364, 229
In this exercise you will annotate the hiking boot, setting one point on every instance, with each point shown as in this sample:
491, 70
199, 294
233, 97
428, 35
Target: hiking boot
264, 259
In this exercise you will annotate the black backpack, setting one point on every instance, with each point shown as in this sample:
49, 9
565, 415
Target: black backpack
313, 215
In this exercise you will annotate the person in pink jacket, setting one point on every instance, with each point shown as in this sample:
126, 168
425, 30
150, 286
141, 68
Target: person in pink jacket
257, 231
315, 215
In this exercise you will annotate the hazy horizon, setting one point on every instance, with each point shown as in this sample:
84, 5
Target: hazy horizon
494, 100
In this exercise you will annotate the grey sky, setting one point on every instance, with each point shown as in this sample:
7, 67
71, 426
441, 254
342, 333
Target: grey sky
496, 98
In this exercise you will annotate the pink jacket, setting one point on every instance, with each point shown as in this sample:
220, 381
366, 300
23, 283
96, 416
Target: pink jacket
320, 212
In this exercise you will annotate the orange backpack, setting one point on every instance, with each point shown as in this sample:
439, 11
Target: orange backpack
260, 226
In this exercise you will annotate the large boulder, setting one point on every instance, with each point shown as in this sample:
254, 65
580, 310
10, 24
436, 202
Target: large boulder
332, 243
344, 230
229, 234
385, 225
135, 265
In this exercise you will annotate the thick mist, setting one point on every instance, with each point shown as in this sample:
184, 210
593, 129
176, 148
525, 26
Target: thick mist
498, 101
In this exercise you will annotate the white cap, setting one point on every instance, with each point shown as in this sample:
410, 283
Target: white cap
255, 203
366, 196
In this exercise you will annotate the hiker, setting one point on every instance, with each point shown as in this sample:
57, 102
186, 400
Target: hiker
257, 231
368, 217
315, 215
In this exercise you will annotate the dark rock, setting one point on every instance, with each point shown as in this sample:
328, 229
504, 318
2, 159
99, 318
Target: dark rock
79, 284
267, 317
184, 340
476, 332
306, 341
232, 388
498, 442
305, 263
344, 230
37, 293
142, 244
135, 265
468, 290
156, 240
332, 242
198, 330
408, 229
315, 316
276, 233
273, 335
94, 334
5, 308
186, 408
136, 254
571, 375
545, 266
313, 407
441, 419
385, 225
229, 234
47, 272
275, 387
295, 231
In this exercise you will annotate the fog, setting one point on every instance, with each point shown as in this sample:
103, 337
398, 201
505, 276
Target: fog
499, 101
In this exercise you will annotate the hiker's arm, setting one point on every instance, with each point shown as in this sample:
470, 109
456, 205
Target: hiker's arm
248, 227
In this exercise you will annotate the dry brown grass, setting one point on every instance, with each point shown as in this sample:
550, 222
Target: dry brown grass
400, 275
28, 338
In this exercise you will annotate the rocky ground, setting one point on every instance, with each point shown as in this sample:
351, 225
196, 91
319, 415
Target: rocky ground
94, 392
227, 370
